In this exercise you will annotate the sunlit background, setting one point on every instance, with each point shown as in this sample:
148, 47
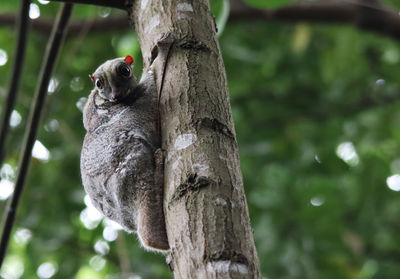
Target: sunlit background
317, 121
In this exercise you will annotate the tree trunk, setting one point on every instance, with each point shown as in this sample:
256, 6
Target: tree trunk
204, 202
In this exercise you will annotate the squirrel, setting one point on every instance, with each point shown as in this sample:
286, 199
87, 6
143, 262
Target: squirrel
121, 159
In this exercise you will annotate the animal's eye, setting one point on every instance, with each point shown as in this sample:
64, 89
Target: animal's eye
124, 70
99, 83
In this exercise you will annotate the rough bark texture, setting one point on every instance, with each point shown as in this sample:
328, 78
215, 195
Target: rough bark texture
205, 206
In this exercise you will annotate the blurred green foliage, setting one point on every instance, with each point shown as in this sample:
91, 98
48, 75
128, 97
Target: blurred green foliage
316, 115
268, 4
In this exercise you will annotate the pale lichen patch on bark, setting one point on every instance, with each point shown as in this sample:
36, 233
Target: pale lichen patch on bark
175, 164
143, 4
154, 22
184, 7
201, 169
226, 266
184, 141
220, 201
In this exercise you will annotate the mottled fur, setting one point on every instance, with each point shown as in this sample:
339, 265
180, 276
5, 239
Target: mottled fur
121, 160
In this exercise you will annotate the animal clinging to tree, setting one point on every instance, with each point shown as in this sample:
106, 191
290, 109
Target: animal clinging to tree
121, 159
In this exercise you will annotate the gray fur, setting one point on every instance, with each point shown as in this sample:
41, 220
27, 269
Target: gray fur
121, 166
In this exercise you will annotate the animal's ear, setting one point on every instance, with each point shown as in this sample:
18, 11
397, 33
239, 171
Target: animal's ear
91, 77
129, 59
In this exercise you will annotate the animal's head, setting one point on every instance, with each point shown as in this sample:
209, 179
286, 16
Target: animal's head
114, 79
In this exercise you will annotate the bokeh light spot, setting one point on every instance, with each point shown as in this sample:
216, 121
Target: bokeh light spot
46, 270
393, 182
34, 11
3, 57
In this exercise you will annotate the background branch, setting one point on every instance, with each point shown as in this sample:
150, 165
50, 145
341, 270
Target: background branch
44, 25
371, 17
19, 58
49, 61
119, 4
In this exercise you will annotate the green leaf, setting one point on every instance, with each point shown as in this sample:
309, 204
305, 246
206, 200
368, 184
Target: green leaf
220, 9
268, 4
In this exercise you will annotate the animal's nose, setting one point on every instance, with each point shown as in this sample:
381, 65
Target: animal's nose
114, 94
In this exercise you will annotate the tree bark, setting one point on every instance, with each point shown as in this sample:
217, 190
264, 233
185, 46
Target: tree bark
204, 201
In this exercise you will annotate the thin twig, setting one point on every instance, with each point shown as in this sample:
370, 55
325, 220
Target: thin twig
52, 51
19, 58
119, 4
123, 254
43, 25
365, 16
